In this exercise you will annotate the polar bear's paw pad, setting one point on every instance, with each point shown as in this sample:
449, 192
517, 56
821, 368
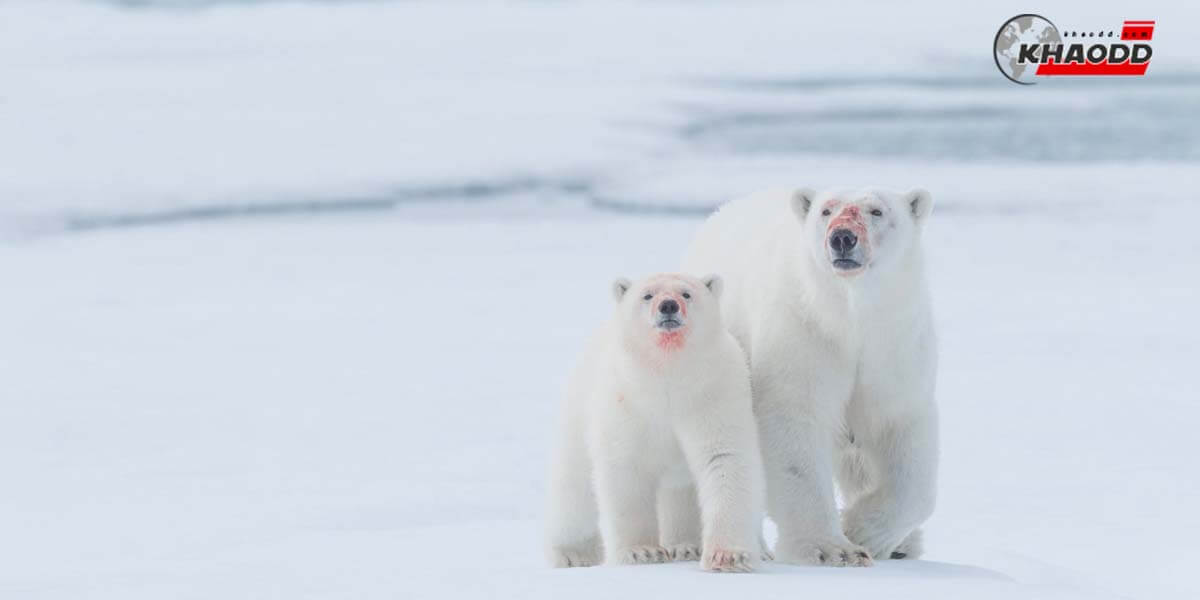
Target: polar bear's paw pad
727, 561
638, 555
684, 551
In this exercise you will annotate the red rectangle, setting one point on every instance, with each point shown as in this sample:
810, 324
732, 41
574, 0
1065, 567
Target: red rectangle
1050, 68
1138, 31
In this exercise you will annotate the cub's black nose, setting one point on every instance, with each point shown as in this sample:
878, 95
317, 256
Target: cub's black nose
668, 307
843, 241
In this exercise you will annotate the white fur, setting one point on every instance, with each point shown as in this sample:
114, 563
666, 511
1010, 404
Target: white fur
648, 426
842, 366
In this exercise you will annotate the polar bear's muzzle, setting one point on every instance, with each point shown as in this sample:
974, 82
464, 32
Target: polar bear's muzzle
842, 249
668, 316
847, 244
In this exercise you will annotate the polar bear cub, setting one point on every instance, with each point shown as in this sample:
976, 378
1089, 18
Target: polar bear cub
659, 457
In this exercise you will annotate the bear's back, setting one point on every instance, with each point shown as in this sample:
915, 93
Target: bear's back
743, 242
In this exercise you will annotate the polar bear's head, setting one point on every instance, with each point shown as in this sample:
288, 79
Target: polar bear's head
667, 310
858, 231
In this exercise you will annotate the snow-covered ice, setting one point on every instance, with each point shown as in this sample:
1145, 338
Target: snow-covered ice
359, 403
361, 407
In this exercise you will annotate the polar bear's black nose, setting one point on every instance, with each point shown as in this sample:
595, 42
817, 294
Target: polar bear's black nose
668, 307
843, 241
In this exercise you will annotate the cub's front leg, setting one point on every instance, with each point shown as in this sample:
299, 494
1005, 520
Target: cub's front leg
722, 451
625, 494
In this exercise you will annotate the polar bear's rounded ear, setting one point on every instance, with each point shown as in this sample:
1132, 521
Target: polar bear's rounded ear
714, 283
919, 202
802, 200
619, 287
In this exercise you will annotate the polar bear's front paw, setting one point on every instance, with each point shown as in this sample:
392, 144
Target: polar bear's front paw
830, 553
684, 552
727, 561
637, 555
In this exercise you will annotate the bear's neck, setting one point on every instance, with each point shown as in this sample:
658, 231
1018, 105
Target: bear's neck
664, 352
898, 292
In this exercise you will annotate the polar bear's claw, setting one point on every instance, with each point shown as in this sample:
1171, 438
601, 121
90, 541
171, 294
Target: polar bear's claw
911, 548
727, 561
879, 537
638, 555
684, 552
830, 554
568, 557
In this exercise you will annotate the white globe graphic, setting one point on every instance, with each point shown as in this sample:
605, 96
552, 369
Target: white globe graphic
1023, 29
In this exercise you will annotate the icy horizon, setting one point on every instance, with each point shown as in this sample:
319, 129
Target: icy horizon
142, 116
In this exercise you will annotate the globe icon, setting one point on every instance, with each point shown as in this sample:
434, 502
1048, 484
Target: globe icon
1022, 29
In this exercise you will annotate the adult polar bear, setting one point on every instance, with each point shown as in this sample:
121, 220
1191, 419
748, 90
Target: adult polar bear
826, 293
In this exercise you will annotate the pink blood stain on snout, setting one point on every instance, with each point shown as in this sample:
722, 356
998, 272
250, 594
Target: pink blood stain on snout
682, 305
670, 340
850, 218
670, 288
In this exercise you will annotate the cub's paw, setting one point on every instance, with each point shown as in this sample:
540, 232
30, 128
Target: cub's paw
684, 552
727, 561
911, 548
830, 553
574, 557
638, 555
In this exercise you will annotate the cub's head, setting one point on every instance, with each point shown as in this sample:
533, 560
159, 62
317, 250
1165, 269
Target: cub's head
855, 232
667, 311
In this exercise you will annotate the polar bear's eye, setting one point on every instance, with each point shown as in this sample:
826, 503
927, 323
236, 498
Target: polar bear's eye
877, 212
687, 296
825, 213
647, 296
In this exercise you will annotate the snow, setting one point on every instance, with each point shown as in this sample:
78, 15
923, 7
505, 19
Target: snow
361, 407
359, 403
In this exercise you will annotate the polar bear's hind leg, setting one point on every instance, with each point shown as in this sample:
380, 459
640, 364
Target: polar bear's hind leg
572, 527
911, 548
903, 497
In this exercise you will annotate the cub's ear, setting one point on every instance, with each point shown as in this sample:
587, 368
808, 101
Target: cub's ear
714, 283
802, 200
919, 202
619, 287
